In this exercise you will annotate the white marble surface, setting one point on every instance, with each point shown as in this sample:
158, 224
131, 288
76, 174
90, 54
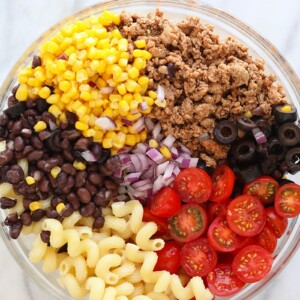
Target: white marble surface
21, 22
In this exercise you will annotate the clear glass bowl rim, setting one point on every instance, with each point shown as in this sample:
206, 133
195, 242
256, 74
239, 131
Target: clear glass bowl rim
294, 239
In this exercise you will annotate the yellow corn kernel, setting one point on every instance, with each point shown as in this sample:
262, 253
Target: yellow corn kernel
143, 136
78, 165
159, 103
59, 207
30, 180
286, 108
165, 152
22, 92
153, 143
134, 117
54, 110
123, 45
64, 85
40, 126
107, 143
35, 205
61, 106
121, 89
123, 62
55, 171
116, 71
124, 108
44, 92
133, 73
139, 63
90, 41
140, 44
143, 81
81, 76
40, 75
102, 67
81, 126
131, 85
63, 117
152, 94
69, 75
134, 105
248, 114
51, 47
86, 96
116, 19
130, 140
53, 99
89, 132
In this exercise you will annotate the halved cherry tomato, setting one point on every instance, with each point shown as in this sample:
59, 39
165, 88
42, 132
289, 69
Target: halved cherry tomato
267, 239
198, 258
223, 282
169, 258
244, 243
223, 181
163, 229
263, 188
193, 185
214, 209
189, 224
287, 200
221, 237
246, 215
165, 203
252, 263
277, 223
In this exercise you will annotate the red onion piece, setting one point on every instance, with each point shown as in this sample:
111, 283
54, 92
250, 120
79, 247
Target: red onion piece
132, 177
141, 148
10, 145
124, 150
136, 163
184, 162
174, 153
92, 84
149, 124
139, 124
161, 169
88, 156
149, 173
169, 141
169, 171
120, 198
193, 162
156, 131
63, 56
161, 93
259, 136
126, 122
140, 183
169, 180
106, 123
143, 105
106, 90
155, 155
176, 171
158, 184
122, 190
52, 125
145, 187
184, 148
144, 160
118, 173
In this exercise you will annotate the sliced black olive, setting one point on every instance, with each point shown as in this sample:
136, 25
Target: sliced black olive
276, 147
285, 113
15, 111
202, 165
269, 165
289, 134
284, 181
245, 124
225, 132
244, 151
53, 142
277, 174
263, 125
292, 160
247, 174
42, 105
262, 150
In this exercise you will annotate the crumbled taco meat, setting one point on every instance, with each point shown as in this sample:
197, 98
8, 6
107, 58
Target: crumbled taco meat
205, 78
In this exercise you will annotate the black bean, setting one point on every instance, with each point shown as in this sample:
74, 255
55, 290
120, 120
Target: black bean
70, 182
91, 188
87, 210
84, 195
100, 198
46, 117
3, 119
80, 178
71, 134
97, 150
30, 103
53, 184
61, 180
19, 143
36, 142
72, 198
37, 215
32, 121
30, 113
110, 185
56, 200
68, 155
7, 202
14, 89
82, 144
95, 178
35, 155
15, 229
26, 218
3, 171
98, 223
72, 118
68, 169
27, 149
36, 62
3, 132
11, 219
17, 127
16, 109
171, 69
5, 157
64, 125
42, 196
65, 144
11, 101
53, 142
67, 211
45, 236
44, 135
44, 185
42, 105
18, 155
52, 214
106, 171
15, 174
26, 203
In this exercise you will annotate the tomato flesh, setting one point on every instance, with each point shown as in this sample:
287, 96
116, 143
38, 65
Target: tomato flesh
221, 237
198, 258
223, 282
276, 223
223, 183
216, 209
263, 188
287, 200
252, 264
165, 203
189, 224
267, 239
193, 185
169, 258
246, 215
162, 224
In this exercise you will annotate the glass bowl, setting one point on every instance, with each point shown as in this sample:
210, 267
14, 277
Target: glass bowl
175, 10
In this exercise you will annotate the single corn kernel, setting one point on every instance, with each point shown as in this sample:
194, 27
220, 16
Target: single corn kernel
64, 85
152, 94
54, 110
81, 126
40, 126
53, 99
286, 108
123, 45
107, 143
159, 103
143, 81
35, 205
134, 117
22, 92
165, 152
60, 207
81, 76
121, 89
123, 108
130, 140
131, 85
78, 165
123, 62
44, 92
55, 171
248, 114
140, 44
139, 63
133, 73
30, 180
143, 135
153, 143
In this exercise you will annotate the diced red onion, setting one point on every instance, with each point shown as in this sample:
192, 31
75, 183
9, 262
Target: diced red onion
169, 141
169, 180
105, 123
257, 111
132, 177
184, 162
106, 90
149, 173
122, 190
52, 125
141, 148
174, 153
88, 156
176, 171
143, 105
144, 160
161, 169
259, 136
134, 111
126, 122
92, 84
158, 184
149, 124
155, 155
204, 137
193, 162
169, 171
118, 173
185, 155
139, 124
125, 160
140, 183
10, 145
124, 150
184, 149
159, 137
161, 93
156, 131
145, 187
136, 163
63, 56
